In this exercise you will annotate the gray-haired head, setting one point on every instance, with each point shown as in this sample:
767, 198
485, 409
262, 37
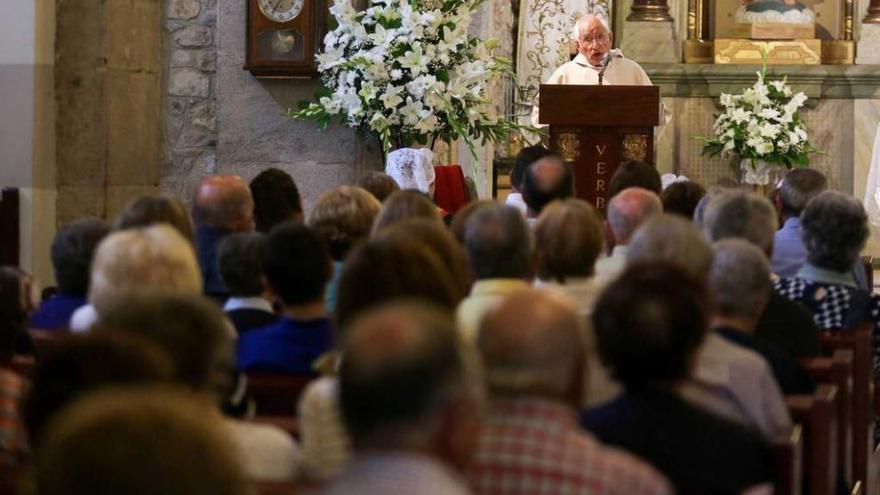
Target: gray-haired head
834, 228
629, 209
498, 243
798, 187
670, 238
587, 19
739, 280
741, 215
700, 210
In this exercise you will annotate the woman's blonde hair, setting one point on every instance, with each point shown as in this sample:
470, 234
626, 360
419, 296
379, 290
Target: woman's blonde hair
343, 217
153, 257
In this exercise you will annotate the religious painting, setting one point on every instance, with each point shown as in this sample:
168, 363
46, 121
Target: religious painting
826, 14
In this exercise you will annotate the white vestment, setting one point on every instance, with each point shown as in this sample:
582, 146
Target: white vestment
620, 72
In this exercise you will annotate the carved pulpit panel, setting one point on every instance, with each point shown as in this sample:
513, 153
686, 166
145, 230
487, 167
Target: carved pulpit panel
595, 128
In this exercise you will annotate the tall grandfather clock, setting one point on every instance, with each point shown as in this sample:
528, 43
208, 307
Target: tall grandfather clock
283, 37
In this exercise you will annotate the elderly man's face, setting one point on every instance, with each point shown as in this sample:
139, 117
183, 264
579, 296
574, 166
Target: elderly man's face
594, 41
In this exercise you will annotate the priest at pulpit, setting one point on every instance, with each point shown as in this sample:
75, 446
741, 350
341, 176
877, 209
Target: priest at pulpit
596, 63
595, 58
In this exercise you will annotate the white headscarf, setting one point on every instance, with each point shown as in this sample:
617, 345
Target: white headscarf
411, 168
668, 179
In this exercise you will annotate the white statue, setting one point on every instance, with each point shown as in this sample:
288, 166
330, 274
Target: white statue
766, 11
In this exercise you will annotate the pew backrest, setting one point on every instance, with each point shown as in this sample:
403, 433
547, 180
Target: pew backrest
817, 414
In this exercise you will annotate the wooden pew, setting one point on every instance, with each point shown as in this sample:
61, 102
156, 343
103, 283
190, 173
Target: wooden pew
859, 342
837, 370
286, 488
13, 482
46, 341
816, 415
276, 394
10, 216
23, 366
788, 452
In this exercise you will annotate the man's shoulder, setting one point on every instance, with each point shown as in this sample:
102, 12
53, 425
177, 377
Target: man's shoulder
628, 62
721, 360
559, 75
748, 358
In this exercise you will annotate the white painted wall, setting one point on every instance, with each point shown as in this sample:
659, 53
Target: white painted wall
27, 124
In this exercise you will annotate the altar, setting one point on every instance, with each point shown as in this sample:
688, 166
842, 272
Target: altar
685, 48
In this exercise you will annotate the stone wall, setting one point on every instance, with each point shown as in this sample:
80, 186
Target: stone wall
190, 106
221, 119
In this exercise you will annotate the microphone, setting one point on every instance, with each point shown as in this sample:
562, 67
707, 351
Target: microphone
606, 61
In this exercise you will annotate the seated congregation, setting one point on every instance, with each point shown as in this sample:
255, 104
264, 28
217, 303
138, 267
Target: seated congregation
685, 341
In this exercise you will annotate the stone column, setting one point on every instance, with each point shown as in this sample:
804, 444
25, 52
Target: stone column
651, 11
872, 16
107, 81
649, 33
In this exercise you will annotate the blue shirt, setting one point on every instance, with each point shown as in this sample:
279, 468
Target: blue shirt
288, 346
789, 254
54, 313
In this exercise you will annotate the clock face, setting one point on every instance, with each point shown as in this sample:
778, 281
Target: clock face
281, 10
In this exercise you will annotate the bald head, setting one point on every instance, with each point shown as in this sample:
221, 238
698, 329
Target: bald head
629, 209
533, 343
224, 201
401, 364
546, 180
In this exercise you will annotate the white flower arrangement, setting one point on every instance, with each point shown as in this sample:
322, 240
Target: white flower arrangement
407, 72
762, 124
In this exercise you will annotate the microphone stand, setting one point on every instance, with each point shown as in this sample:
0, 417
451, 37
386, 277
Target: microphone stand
605, 63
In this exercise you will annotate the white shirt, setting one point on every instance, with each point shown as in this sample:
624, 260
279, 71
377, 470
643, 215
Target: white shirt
738, 384
516, 200
268, 452
609, 267
82, 319
326, 447
256, 302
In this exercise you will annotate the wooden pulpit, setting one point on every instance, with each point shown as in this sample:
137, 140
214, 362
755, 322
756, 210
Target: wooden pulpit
595, 128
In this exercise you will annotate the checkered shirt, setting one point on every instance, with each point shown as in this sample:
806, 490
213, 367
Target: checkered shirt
535, 447
13, 442
830, 304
